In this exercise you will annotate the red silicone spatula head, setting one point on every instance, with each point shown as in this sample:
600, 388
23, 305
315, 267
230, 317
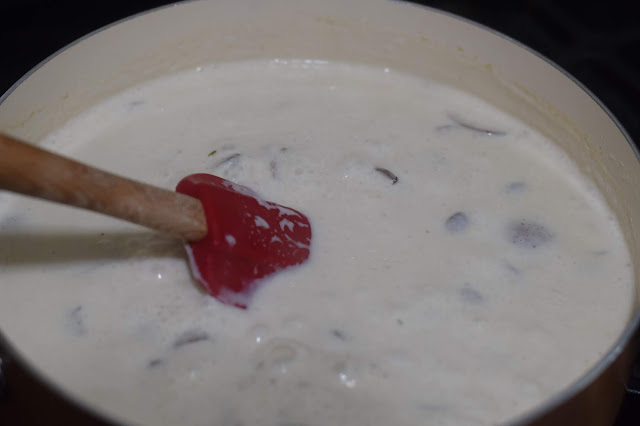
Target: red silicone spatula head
247, 240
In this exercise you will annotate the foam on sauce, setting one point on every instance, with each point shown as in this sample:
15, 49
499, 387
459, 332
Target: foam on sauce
461, 269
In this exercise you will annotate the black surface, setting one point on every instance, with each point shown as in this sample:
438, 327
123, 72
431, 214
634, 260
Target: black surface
597, 42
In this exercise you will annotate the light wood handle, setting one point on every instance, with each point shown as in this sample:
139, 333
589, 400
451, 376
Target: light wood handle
32, 171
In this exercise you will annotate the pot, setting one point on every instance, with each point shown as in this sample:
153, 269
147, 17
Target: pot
407, 37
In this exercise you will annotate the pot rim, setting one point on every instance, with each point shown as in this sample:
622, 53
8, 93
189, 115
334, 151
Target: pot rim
631, 331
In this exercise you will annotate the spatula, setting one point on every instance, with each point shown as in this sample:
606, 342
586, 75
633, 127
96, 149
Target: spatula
234, 238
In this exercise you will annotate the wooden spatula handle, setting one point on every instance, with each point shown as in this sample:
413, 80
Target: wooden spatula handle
32, 171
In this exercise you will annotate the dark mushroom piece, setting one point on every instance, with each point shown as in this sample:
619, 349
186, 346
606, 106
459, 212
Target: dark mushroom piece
189, 337
476, 129
387, 173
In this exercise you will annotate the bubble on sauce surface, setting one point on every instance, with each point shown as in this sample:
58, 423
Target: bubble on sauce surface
529, 234
294, 324
278, 356
457, 222
282, 356
158, 271
258, 333
347, 374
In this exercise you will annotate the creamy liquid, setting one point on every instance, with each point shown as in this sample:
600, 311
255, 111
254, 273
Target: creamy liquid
488, 277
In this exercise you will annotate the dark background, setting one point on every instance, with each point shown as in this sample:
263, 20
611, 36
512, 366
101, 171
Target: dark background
597, 42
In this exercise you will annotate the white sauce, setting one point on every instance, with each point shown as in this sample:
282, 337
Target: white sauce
230, 239
488, 277
261, 223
